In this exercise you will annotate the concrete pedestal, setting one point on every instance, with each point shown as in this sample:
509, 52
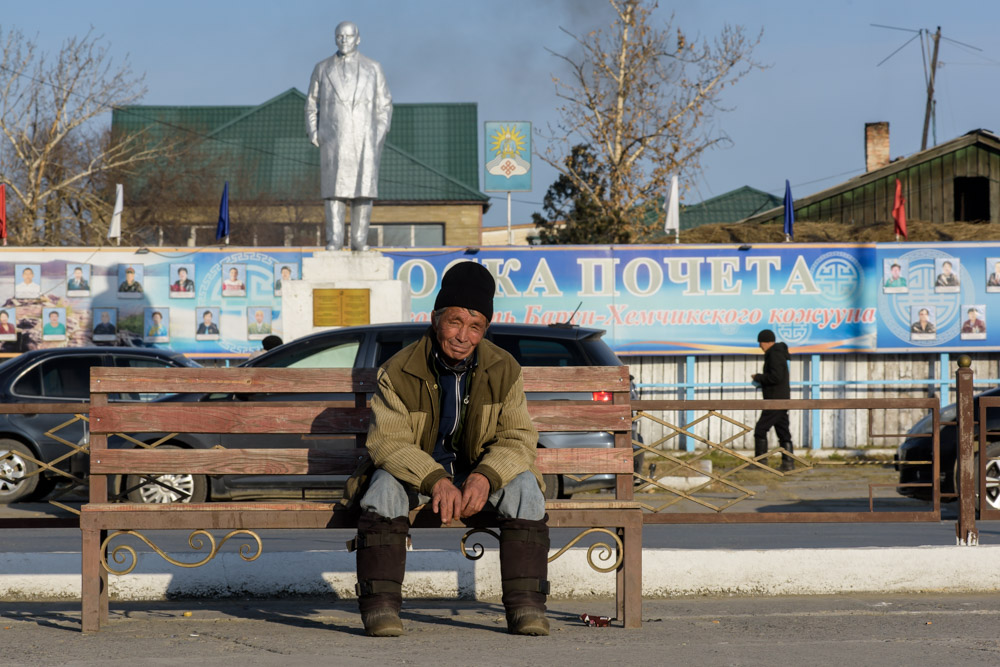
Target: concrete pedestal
389, 299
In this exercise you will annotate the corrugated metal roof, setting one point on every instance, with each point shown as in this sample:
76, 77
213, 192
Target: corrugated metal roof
431, 152
980, 136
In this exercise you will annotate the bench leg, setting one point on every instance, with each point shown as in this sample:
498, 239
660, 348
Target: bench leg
94, 582
629, 589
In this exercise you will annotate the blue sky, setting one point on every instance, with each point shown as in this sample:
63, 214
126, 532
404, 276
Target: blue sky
801, 119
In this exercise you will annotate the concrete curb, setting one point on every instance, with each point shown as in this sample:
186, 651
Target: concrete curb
446, 574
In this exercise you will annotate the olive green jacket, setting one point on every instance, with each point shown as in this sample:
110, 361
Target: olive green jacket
498, 439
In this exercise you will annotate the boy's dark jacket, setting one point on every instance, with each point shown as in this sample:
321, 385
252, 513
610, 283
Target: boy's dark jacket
773, 379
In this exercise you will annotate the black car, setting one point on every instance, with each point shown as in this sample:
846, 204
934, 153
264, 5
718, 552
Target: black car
918, 446
57, 375
369, 347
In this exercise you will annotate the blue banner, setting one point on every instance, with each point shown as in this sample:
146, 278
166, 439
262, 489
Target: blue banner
657, 299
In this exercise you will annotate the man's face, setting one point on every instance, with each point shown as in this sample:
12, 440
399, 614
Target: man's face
77, 275
347, 39
207, 318
233, 273
53, 317
259, 316
129, 277
27, 276
996, 268
923, 315
946, 269
459, 331
286, 274
105, 317
157, 318
895, 272
766, 345
972, 316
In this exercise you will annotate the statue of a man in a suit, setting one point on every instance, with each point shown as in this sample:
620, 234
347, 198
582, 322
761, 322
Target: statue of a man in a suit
348, 111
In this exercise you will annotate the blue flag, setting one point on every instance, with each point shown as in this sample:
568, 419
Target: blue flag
222, 231
789, 212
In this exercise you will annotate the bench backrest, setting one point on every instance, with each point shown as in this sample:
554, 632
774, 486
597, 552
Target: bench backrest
349, 418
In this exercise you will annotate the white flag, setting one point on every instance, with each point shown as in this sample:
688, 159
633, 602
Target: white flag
115, 230
673, 208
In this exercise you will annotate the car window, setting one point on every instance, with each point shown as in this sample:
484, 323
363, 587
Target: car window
335, 356
339, 352
531, 351
64, 377
140, 362
388, 344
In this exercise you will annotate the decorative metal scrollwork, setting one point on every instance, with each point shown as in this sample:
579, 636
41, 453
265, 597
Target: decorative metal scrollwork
118, 554
477, 549
607, 552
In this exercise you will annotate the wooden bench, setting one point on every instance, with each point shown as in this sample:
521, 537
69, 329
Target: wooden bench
620, 516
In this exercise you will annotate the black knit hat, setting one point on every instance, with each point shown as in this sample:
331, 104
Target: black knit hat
765, 336
467, 285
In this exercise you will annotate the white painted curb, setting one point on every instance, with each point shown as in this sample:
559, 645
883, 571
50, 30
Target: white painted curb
446, 574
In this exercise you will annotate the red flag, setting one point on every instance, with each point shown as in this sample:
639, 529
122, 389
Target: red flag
3, 213
899, 211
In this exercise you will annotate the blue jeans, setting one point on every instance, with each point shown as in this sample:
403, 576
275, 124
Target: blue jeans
521, 499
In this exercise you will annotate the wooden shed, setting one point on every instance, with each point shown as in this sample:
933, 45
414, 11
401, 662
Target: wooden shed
956, 181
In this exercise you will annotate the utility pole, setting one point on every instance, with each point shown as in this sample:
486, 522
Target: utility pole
930, 90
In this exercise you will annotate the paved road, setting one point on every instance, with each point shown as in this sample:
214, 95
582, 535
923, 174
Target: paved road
820, 489
835, 630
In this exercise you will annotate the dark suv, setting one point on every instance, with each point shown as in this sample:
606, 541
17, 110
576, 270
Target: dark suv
369, 347
57, 376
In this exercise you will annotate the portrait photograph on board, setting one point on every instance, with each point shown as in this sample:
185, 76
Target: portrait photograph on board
234, 280
78, 280
130, 277
53, 324
27, 281
923, 326
947, 279
182, 281
894, 276
8, 323
973, 322
155, 325
105, 325
207, 326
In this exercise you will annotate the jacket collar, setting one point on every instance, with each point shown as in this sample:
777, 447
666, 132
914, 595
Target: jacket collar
420, 358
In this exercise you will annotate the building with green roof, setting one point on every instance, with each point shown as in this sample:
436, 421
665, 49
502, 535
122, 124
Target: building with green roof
428, 181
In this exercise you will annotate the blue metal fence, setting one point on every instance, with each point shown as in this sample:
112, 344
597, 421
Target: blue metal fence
814, 385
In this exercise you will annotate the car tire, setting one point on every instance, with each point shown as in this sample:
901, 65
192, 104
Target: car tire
17, 466
45, 486
553, 487
195, 486
992, 476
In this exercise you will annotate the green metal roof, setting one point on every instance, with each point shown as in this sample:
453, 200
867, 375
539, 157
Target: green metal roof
431, 152
728, 207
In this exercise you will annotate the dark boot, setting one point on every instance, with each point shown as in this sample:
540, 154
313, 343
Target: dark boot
524, 552
759, 447
381, 547
787, 462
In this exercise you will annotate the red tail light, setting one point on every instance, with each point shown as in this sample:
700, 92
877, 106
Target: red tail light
603, 396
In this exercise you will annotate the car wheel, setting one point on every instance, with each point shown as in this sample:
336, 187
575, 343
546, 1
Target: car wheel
553, 487
45, 486
992, 475
19, 473
172, 488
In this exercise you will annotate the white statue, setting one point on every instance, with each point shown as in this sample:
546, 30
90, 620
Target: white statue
348, 111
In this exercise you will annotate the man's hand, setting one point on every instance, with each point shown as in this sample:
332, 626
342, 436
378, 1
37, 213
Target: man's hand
446, 500
475, 493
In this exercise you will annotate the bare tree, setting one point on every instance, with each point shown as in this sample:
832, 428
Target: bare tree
56, 150
641, 100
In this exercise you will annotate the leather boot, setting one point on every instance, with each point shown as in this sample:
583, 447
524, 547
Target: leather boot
381, 547
759, 447
787, 463
524, 552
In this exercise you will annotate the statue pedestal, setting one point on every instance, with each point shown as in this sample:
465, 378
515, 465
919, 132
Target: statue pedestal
334, 289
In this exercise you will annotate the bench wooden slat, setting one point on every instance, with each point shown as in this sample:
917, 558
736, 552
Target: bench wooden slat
318, 418
576, 378
333, 380
228, 417
156, 461
228, 380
